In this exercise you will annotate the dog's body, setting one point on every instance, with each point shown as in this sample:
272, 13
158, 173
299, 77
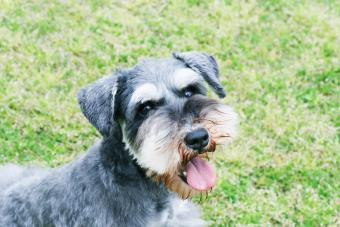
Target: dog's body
100, 188
154, 141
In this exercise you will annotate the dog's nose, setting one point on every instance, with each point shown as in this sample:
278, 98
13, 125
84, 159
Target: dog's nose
197, 139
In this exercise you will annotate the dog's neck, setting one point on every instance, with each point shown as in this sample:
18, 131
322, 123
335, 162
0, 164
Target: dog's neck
120, 168
115, 151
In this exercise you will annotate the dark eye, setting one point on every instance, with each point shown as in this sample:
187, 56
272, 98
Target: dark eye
188, 92
145, 108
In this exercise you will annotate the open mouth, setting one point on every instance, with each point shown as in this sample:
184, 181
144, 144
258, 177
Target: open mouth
199, 174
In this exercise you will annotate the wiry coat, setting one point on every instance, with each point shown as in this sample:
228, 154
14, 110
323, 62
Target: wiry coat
109, 185
104, 187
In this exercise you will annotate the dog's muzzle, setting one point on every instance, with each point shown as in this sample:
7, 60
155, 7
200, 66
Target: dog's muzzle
199, 173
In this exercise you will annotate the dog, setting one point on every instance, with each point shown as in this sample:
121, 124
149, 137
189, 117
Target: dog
158, 128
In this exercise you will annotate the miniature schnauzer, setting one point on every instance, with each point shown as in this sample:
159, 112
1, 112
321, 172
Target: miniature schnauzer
158, 128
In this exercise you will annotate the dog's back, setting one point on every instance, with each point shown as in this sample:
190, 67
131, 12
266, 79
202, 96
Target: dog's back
11, 174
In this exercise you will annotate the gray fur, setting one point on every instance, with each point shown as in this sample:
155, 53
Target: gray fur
96, 101
105, 186
204, 64
87, 192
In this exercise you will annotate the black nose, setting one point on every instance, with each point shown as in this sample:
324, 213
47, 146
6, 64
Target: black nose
197, 139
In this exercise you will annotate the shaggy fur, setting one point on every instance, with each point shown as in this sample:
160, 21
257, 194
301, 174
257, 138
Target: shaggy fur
104, 187
117, 182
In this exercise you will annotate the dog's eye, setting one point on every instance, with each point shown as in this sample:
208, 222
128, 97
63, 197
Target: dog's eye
188, 92
145, 108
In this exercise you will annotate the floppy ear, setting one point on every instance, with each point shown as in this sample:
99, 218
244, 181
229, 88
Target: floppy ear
205, 65
97, 103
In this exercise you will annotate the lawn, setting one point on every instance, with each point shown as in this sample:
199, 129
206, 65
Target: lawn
279, 62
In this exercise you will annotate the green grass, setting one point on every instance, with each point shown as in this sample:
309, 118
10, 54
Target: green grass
280, 63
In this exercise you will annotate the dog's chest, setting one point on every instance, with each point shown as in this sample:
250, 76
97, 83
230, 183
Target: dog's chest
177, 213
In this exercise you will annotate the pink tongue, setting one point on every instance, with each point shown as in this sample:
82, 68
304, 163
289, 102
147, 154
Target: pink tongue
200, 175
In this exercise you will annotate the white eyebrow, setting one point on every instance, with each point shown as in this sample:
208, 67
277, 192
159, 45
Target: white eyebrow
184, 77
145, 92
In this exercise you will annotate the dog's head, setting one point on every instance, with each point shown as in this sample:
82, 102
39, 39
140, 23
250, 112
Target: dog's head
168, 123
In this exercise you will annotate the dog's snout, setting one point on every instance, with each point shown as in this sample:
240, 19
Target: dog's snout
197, 139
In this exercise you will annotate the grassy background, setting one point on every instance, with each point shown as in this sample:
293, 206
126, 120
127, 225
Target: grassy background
280, 63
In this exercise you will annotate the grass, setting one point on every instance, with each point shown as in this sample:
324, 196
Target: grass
280, 63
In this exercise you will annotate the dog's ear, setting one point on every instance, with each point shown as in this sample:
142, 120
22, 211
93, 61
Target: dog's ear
97, 103
205, 65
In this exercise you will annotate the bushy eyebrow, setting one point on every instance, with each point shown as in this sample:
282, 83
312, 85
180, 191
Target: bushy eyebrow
184, 77
145, 92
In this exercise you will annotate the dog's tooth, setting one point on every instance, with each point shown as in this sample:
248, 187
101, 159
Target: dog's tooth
185, 173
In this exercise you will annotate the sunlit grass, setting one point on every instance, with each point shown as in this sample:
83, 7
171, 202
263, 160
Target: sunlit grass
280, 63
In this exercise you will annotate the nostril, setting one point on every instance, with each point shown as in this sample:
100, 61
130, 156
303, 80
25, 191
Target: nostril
205, 142
206, 136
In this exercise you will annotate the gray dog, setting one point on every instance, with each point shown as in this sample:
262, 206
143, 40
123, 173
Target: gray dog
158, 127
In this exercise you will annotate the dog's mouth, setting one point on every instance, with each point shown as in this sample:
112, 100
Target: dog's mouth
193, 175
199, 174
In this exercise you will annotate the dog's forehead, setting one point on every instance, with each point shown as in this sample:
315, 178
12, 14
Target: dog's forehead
161, 75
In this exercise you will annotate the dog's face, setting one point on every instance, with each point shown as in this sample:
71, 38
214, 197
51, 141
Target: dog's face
168, 124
